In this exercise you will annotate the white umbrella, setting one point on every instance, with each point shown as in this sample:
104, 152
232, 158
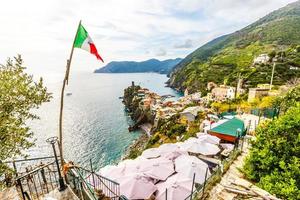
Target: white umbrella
227, 146
151, 153
131, 166
136, 186
176, 187
175, 154
112, 172
200, 133
169, 147
159, 168
195, 145
208, 138
190, 165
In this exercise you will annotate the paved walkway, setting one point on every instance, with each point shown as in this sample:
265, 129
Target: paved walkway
10, 194
234, 186
67, 194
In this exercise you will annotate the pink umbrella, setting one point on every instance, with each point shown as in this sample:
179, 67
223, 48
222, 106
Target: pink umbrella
195, 145
176, 187
159, 168
175, 154
132, 166
190, 165
209, 138
136, 186
151, 153
112, 172
166, 148
227, 146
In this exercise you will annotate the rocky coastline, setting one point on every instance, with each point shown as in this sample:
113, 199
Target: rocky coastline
140, 117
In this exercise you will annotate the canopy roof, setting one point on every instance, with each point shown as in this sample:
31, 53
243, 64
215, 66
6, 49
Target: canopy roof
230, 127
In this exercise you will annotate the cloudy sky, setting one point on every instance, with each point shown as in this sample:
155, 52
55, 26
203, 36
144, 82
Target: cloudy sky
43, 30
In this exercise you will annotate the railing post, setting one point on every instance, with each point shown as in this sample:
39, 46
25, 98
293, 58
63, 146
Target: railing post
204, 183
18, 180
243, 138
193, 186
52, 141
21, 188
93, 177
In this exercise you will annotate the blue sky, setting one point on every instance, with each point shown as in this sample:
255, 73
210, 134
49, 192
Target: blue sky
43, 31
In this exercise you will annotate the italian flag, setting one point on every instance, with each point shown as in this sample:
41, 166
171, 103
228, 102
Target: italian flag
84, 41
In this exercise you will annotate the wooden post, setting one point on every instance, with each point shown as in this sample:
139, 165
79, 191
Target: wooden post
65, 81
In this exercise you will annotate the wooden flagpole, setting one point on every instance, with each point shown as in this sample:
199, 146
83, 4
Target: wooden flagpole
65, 81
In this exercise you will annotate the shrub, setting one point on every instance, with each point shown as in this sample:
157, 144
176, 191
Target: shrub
155, 138
274, 161
176, 129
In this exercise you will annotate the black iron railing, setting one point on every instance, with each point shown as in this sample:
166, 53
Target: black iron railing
88, 184
36, 183
198, 191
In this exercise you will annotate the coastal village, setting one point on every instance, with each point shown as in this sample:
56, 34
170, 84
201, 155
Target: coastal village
204, 136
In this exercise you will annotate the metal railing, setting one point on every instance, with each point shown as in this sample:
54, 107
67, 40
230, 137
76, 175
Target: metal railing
36, 183
198, 191
89, 185
38, 179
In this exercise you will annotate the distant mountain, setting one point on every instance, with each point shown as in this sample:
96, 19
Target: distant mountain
222, 59
152, 65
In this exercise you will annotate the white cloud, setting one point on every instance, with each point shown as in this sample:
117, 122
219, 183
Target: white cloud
188, 43
43, 31
161, 52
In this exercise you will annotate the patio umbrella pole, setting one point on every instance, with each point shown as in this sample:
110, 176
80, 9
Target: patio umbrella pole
166, 194
193, 186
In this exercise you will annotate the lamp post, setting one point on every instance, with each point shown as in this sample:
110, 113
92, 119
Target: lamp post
52, 141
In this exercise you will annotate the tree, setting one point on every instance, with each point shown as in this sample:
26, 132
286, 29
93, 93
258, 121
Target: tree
266, 102
290, 99
216, 106
245, 106
19, 94
274, 160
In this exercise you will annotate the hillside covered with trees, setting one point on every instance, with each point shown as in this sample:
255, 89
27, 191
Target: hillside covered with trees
224, 58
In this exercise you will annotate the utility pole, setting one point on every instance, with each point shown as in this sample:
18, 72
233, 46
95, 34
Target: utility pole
237, 85
272, 76
273, 70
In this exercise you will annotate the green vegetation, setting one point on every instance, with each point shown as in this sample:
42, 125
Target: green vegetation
19, 94
173, 130
277, 34
289, 100
274, 160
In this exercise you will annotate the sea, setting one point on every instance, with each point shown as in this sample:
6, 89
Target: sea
95, 123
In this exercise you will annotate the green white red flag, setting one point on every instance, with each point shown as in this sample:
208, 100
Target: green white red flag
84, 41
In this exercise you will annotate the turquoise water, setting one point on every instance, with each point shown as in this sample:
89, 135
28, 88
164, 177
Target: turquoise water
95, 123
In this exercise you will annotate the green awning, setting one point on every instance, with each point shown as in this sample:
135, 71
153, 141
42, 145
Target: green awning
231, 128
